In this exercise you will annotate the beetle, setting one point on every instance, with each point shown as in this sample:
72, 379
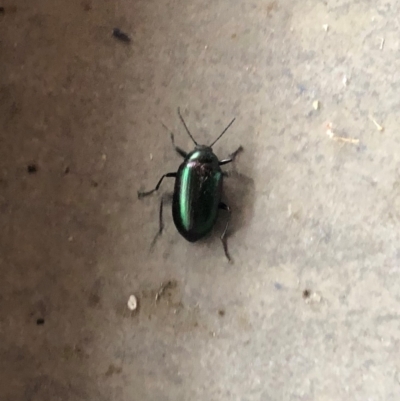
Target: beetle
198, 190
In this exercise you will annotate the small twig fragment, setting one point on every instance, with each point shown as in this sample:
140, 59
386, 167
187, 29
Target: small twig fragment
347, 140
378, 126
331, 134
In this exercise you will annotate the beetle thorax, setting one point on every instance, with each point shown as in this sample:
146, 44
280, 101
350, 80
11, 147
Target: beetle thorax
204, 155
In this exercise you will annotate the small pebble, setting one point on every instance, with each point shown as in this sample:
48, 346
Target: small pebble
311, 297
132, 303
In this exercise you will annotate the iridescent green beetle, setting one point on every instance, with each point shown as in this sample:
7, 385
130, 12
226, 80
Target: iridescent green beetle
198, 189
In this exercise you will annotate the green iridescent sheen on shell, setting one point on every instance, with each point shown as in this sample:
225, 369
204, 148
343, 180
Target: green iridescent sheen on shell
197, 194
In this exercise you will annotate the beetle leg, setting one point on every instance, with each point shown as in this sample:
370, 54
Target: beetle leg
143, 194
178, 150
231, 157
225, 207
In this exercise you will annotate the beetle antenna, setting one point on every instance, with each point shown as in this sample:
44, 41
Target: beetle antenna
223, 132
187, 129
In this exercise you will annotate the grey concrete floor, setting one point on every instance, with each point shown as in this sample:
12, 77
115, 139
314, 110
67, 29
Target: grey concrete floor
310, 308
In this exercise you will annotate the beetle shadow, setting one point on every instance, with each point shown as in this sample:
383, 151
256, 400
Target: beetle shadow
238, 193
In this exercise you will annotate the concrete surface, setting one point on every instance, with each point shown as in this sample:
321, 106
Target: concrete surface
310, 308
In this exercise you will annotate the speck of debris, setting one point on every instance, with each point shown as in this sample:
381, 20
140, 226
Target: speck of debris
94, 184
122, 36
221, 312
32, 168
382, 43
311, 297
315, 104
132, 303
66, 170
326, 27
378, 126
2, 10
278, 286
40, 321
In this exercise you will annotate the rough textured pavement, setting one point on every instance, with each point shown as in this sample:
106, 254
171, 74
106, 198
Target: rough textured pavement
310, 308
